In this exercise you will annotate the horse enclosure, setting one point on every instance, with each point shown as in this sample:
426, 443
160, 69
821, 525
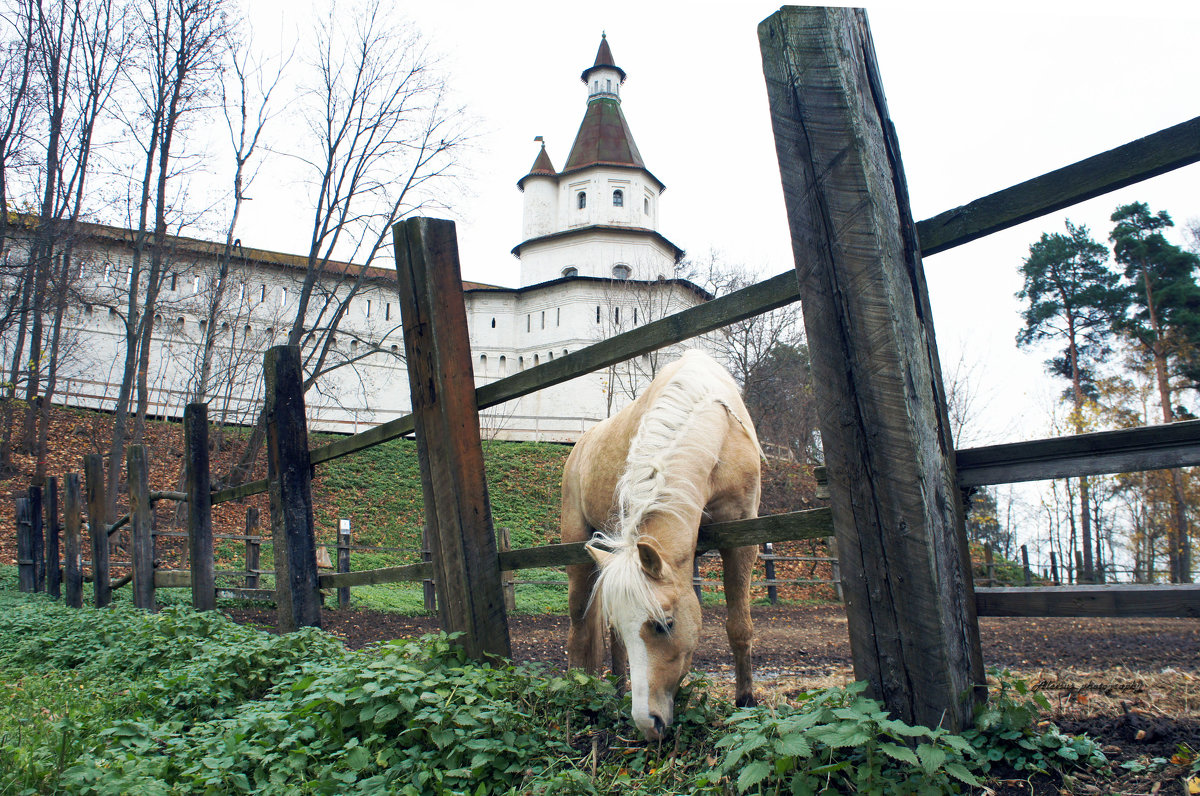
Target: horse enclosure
894, 478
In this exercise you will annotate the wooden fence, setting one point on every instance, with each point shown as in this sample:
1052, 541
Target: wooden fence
915, 639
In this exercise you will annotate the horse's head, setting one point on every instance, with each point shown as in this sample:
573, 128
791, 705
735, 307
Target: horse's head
652, 607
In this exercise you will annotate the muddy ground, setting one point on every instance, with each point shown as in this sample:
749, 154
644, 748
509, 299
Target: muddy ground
1132, 684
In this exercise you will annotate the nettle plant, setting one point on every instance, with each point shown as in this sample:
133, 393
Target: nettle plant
1007, 732
838, 741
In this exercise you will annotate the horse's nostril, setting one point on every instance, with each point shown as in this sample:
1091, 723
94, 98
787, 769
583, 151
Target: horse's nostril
660, 727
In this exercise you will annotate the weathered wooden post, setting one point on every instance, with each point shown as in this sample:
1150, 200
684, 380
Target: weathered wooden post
504, 538
72, 550
438, 354
1025, 565
37, 539
252, 545
199, 509
427, 587
768, 557
289, 478
93, 476
25, 568
835, 569
53, 567
889, 453
343, 560
137, 472
1054, 569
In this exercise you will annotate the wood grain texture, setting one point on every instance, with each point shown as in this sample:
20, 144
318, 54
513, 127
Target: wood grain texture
93, 475
457, 511
289, 473
198, 494
137, 470
72, 549
896, 514
1111, 600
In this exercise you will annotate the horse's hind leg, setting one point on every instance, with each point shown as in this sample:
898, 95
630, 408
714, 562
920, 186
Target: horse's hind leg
738, 566
585, 639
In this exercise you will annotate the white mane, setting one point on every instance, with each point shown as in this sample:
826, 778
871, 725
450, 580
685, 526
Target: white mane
680, 426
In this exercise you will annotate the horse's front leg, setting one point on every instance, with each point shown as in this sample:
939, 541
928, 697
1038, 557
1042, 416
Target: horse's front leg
738, 566
585, 639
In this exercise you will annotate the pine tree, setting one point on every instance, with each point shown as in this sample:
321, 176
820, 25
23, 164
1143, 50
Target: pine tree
1165, 324
1073, 296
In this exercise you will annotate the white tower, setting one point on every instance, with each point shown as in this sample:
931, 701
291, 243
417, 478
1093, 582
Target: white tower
598, 217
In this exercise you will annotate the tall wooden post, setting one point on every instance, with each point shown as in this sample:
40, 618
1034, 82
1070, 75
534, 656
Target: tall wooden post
25, 568
53, 567
199, 508
37, 539
93, 476
889, 453
343, 560
289, 478
252, 545
1054, 569
72, 551
137, 471
461, 536
1025, 565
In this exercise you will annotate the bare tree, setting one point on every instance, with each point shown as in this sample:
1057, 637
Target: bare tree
246, 105
386, 142
178, 67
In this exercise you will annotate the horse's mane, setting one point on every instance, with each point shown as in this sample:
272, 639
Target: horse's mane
681, 425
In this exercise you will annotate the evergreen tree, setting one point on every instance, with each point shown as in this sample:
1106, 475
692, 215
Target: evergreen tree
1165, 325
1073, 296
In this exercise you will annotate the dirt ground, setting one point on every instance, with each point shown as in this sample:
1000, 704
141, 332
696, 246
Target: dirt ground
1132, 684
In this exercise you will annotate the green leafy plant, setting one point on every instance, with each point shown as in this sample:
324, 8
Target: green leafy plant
835, 741
1007, 732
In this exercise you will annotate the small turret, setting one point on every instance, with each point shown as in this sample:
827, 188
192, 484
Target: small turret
540, 187
604, 77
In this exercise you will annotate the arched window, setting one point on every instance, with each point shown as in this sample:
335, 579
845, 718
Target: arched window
617, 316
597, 313
493, 323
581, 199
646, 206
503, 365
483, 364
618, 198
535, 360
570, 271
621, 271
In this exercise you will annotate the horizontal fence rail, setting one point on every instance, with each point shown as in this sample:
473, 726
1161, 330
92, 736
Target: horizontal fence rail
1103, 452
1125, 165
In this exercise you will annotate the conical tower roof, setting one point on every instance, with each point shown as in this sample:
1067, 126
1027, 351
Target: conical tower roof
604, 137
542, 167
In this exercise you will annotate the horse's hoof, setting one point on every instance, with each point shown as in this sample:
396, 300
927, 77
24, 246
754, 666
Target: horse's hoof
747, 701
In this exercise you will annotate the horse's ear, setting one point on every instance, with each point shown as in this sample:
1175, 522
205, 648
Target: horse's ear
651, 558
601, 557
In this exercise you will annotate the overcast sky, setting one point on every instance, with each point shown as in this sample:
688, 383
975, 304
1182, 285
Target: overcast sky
981, 99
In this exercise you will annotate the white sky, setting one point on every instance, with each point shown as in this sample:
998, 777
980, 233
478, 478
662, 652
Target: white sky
981, 99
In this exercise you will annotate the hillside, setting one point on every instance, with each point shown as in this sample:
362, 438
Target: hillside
379, 491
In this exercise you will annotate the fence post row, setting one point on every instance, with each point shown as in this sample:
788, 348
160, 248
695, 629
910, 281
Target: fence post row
72, 554
890, 458
53, 567
459, 517
93, 474
140, 519
199, 507
289, 478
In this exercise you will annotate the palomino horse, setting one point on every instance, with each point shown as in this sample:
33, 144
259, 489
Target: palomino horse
636, 487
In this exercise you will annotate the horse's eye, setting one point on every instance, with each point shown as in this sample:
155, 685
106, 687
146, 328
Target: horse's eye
664, 627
